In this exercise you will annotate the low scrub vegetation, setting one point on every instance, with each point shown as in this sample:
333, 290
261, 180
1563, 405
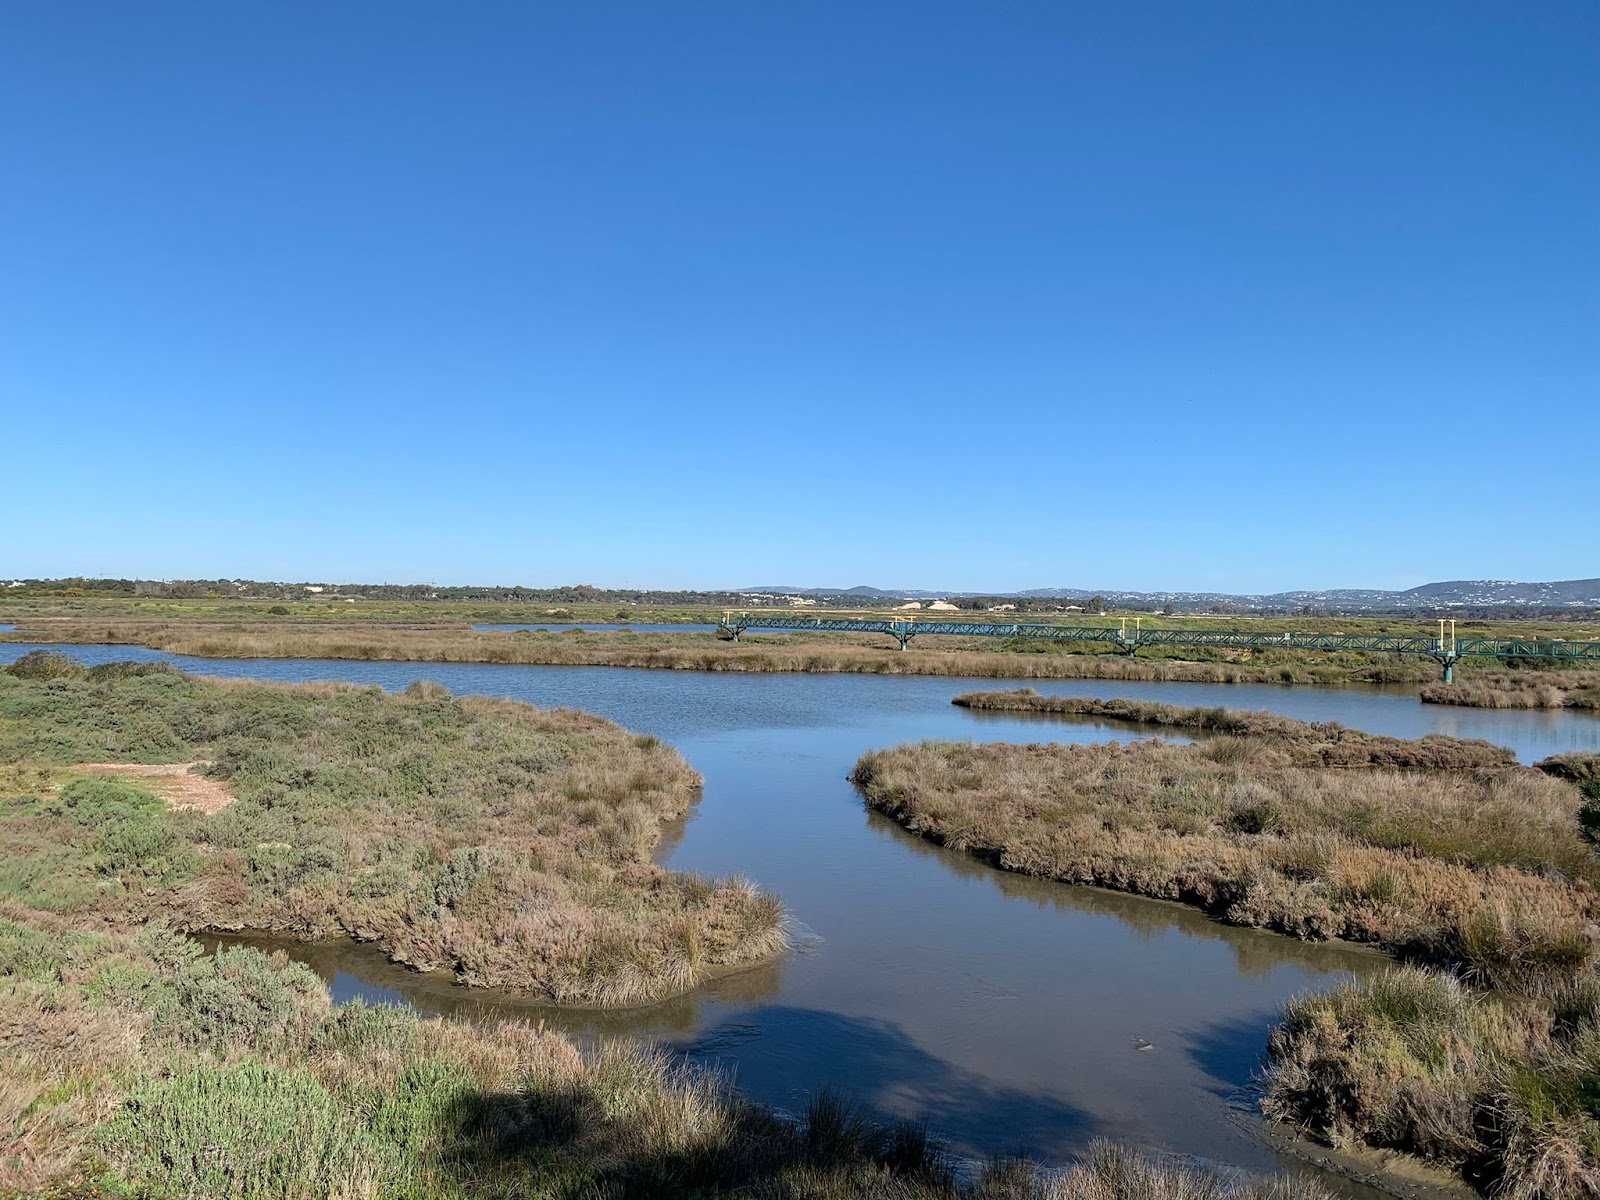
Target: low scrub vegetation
1520, 689
507, 844
1486, 1055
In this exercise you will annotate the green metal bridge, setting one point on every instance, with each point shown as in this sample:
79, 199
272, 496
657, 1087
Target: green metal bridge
1130, 638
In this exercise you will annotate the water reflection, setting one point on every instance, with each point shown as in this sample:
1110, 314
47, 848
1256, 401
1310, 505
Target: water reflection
355, 971
1256, 952
880, 1062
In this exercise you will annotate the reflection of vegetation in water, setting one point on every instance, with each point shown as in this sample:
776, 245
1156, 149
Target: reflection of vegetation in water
1256, 953
362, 972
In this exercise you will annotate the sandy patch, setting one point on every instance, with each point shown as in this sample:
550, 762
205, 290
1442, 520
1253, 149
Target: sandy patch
176, 783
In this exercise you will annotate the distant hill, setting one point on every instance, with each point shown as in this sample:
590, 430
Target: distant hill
1502, 591
1459, 593
1456, 593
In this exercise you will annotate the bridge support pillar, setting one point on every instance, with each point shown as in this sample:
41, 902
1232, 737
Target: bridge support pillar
1449, 666
905, 640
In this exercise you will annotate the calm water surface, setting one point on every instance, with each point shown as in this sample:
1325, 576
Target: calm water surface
1008, 1011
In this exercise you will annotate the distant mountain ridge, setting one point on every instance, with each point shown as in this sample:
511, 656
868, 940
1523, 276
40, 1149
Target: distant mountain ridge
1455, 593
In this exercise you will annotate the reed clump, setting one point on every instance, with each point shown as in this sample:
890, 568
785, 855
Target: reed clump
1432, 849
1500, 1085
506, 844
132, 1064
1520, 689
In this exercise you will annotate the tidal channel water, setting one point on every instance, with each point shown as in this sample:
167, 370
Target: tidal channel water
1013, 1014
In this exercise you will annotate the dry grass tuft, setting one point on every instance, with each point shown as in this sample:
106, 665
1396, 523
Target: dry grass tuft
1520, 689
1501, 1087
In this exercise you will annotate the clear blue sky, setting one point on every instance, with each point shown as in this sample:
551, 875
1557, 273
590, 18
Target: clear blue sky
1191, 294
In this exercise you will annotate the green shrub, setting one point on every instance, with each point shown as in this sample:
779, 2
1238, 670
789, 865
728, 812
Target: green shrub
236, 999
131, 829
44, 665
431, 1106
250, 1131
359, 1028
106, 672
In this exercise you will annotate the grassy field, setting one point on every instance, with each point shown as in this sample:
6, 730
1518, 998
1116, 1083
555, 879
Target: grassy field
460, 614
421, 613
1486, 1055
506, 844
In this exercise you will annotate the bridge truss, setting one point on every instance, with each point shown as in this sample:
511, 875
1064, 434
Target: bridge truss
1446, 649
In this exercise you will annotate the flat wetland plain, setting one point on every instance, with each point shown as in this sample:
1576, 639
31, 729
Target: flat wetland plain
441, 878
440, 829
415, 631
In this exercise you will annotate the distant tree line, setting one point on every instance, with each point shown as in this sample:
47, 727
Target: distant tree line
587, 593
